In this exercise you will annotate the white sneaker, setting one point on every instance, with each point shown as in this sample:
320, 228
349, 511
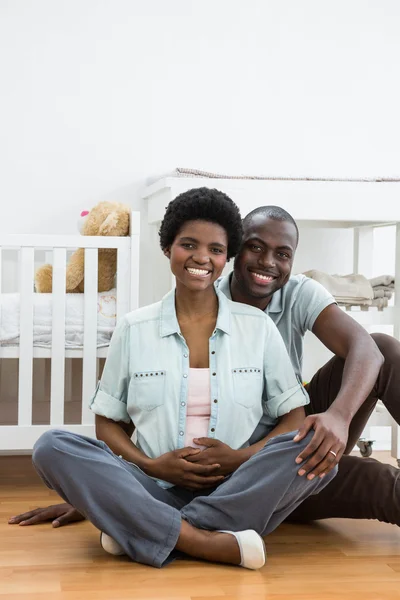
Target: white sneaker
253, 553
110, 545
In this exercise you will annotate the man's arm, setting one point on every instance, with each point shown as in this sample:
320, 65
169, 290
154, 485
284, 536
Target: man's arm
58, 514
363, 361
343, 336
290, 422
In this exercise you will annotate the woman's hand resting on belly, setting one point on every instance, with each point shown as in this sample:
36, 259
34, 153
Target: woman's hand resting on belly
175, 467
216, 452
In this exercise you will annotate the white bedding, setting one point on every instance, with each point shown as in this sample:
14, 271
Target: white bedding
42, 319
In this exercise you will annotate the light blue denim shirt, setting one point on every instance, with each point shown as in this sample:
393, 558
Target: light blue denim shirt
294, 310
145, 378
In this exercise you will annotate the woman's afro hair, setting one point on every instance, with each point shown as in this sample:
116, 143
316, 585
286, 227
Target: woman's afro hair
203, 204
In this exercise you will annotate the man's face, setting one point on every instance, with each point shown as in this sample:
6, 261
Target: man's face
265, 260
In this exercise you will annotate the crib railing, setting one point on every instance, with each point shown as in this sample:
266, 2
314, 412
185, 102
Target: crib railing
23, 435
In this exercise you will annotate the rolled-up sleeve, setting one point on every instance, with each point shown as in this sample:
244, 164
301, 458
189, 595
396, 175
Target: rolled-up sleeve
111, 395
314, 299
283, 390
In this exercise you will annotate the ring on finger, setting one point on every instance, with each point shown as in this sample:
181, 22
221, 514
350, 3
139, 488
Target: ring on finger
334, 453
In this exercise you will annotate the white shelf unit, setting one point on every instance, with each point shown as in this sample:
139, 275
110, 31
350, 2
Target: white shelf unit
359, 205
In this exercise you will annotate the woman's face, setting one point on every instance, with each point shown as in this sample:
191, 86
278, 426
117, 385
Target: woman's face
198, 254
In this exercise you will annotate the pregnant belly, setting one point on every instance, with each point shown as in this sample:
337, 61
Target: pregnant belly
196, 427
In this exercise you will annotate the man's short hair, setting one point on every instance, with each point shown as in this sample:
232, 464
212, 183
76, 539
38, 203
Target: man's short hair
271, 212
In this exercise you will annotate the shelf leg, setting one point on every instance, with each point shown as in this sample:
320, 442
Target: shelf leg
363, 251
396, 334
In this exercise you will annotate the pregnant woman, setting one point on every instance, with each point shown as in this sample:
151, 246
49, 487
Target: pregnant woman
187, 375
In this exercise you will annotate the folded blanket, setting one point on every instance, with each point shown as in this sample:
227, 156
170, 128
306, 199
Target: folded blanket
43, 323
347, 289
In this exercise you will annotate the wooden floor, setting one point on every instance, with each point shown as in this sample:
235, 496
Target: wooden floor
328, 560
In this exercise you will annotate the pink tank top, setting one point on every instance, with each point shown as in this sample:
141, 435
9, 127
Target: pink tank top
198, 406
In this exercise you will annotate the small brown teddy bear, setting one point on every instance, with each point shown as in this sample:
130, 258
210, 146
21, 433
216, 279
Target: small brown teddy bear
106, 218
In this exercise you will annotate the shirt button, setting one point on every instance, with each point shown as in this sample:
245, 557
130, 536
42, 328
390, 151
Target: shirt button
185, 375
183, 403
181, 433
214, 374
213, 429
185, 355
215, 400
213, 352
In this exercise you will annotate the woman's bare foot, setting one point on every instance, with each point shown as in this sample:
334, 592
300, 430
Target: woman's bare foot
208, 545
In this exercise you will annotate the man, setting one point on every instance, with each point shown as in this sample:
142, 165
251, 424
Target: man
343, 393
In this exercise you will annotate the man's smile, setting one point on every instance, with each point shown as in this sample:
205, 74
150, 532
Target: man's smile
263, 278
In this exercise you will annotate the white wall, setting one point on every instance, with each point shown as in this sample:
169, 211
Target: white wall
98, 95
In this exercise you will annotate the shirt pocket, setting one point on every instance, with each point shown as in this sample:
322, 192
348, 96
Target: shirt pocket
148, 389
247, 385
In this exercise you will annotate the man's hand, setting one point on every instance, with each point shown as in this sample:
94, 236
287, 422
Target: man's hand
175, 467
217, 452
59, 514
326, 446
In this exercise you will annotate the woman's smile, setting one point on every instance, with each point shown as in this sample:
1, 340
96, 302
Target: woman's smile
198, 272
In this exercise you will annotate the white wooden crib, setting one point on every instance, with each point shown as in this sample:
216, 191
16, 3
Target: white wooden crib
22, 436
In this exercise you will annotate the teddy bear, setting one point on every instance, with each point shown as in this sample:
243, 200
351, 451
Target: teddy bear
106, 218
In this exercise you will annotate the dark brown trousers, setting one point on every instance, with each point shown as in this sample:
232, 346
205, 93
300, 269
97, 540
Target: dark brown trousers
364, 488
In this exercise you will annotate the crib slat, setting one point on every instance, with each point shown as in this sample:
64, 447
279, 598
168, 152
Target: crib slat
58, 338
90, 334
26, 337
123, 281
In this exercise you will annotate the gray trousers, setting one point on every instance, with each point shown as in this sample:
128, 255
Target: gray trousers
145, 519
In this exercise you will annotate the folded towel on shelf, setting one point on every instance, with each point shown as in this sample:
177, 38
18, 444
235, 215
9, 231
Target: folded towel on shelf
383, 280
379, 303
354, 301
383, 286
346, 289
382, 292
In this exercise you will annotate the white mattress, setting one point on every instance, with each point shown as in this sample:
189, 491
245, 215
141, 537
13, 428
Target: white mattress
42, 319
